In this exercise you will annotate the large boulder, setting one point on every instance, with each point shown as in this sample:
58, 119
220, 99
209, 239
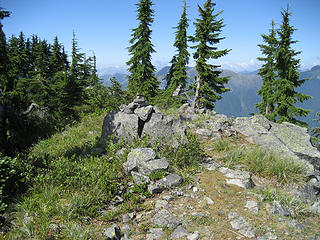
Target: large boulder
120, 125
140, 119
286, 139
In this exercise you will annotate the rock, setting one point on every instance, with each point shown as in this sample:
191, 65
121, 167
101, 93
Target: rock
139, 178
121, 125
239, 178
286, 139
148, 167
277, 208
161, 204
136, 157
155, 188
164, 219
166, 128
193, 236
172, 180
204, 132
144, 112
239, 223
268, 236
154, 234
296, 225
247, 232
252, 206
218, 122
112, 233
232, 215
126, 231
209, 200
315, 208
168, 198
179, 232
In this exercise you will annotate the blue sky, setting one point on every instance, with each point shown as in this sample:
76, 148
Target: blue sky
104, 26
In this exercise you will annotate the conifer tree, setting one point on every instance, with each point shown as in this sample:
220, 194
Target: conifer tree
4, 82
268, 73
141, 78
178, 71
288, 76
208, 84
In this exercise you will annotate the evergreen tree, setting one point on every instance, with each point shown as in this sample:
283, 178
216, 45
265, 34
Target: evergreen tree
208, 83
5, 82
141, 78
288, 76
178, 70
268, 73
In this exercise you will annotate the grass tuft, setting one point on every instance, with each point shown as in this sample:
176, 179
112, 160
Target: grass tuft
265, 164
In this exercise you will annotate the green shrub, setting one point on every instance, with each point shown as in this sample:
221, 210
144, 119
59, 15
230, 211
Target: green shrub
10, 180
186, 155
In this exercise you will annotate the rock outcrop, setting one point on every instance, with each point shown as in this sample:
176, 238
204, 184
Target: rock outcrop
139, 119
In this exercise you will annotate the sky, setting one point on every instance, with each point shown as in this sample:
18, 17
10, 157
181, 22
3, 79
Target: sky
103, 27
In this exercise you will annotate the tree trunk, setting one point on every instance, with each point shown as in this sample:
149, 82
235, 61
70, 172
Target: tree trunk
267, 109
196, 95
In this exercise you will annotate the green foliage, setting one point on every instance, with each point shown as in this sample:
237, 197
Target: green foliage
222, 145
208, 83
157, 175
141, 78
10, 177
288, 76
316, 132
297, 207
186, 155
177, 74
266, 164
268, 74
165, 100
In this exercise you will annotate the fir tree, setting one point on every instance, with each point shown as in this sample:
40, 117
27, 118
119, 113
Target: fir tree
178, 71
141, 78
268, 73
288, 76
208, 83
4, 82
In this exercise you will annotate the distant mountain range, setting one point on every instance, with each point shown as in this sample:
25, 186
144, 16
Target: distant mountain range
241, 99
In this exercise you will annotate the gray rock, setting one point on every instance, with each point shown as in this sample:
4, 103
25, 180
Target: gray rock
112, 233
151, 166
286, 139
277, 208
121, 125
126, 231
209, 200
164, 219
204, 132
172, 180
139, 178
155, 188
239, 178
247, 232
232, 215
296, 225
136, 157
268, 236
154, 234
239, 223
161, 204
193, 236
166, 128
179, 232
144, 112
218, 122
168, 198
252, 206
315, 208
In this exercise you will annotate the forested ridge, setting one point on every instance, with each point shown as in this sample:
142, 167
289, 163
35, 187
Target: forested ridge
51, 101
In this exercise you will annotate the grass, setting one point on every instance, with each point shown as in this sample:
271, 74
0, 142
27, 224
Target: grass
266, 164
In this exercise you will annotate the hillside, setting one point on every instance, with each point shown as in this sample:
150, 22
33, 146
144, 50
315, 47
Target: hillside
240, 101
219, 185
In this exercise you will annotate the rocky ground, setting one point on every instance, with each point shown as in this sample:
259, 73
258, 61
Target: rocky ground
222, 203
